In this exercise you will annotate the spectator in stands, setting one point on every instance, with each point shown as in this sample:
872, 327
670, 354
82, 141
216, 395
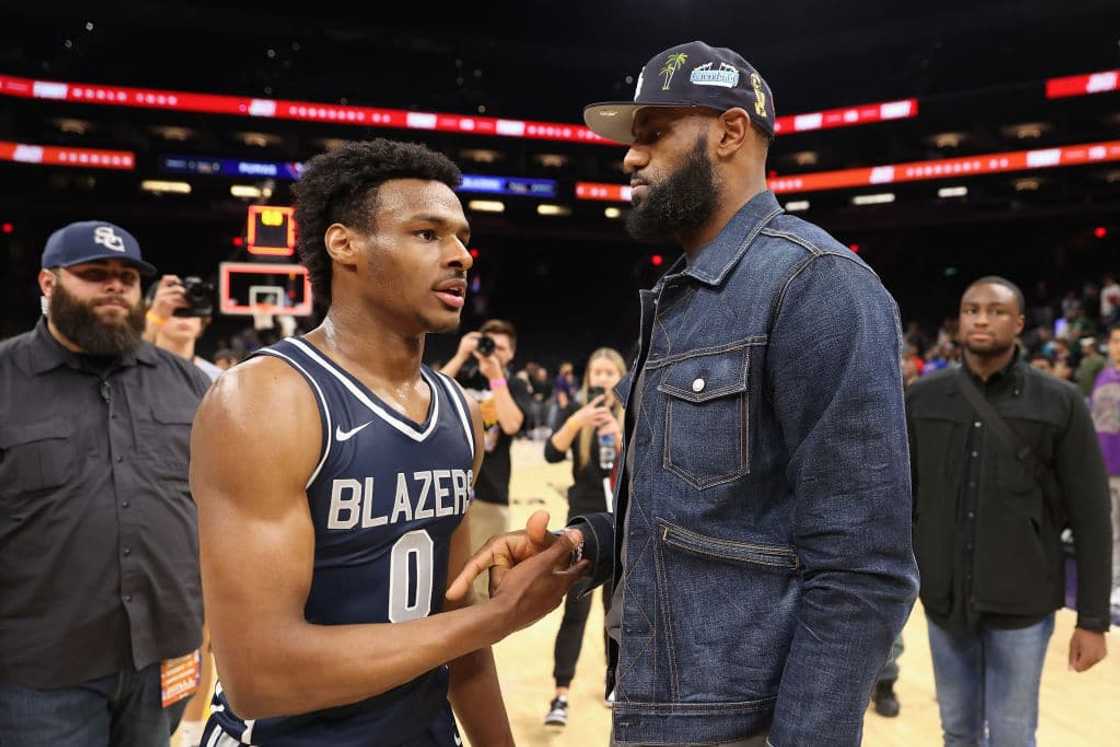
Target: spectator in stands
592, 433
1041, 363
1092, 363
910, 370
1063, 370
542, 398
1105, 407
98, 553
225, 359
1110, 300
565, 385
1079, 325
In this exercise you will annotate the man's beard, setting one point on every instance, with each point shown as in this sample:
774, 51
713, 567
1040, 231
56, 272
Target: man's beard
679, 204
79, 323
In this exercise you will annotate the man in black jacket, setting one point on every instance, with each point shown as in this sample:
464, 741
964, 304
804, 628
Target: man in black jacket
989, 507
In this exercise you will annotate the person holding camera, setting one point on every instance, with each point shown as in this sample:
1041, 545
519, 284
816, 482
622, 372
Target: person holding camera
481, 364
592, 433
177, 318
100, 598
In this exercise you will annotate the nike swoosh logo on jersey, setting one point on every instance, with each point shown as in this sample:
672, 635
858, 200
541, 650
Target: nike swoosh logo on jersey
341, 435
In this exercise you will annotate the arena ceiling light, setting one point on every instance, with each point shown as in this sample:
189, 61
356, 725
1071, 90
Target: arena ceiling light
1027, 130
487, 206
1083, 85
174, 134
84, 158
259, 139
952, 192
612, 212
164, 187
879, 198
362, 116
551, 160
797, 206
481, 155
246, 191
73, 126
550, 209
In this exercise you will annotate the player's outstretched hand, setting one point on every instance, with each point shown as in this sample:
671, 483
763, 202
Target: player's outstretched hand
500, 554
536, 586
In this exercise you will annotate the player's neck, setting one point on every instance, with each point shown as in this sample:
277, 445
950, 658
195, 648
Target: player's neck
376, 349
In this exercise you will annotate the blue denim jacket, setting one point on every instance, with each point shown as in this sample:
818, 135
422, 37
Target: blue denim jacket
767, 517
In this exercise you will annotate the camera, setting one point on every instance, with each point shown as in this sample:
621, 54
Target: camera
486, 345
200, 298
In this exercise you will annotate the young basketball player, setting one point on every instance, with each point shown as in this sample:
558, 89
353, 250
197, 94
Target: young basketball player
333, 475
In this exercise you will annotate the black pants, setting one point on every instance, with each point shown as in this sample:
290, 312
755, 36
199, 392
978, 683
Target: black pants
569, 640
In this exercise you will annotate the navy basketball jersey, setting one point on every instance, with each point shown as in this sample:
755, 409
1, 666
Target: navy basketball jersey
385, 497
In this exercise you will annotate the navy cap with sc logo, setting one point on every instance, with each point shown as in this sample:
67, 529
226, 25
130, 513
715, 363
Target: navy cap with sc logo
92, 240
688, 75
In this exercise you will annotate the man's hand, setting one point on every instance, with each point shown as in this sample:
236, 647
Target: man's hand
467, 345
536, 586
489, 366
1086, 648
169, 296
500, 554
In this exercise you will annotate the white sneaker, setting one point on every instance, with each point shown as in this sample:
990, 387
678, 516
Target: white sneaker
557, 713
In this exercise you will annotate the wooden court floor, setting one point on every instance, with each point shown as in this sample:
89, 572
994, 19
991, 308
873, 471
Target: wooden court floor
1076, 709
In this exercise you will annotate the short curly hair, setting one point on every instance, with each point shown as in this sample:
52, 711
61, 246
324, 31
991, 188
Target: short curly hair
341, 186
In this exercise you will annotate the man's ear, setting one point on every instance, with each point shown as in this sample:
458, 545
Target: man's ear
340, 243
734, 127
47, 282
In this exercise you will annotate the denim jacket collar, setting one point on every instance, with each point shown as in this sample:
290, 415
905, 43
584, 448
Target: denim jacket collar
715, 260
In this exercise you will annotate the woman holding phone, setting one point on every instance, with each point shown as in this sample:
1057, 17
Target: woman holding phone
592, 432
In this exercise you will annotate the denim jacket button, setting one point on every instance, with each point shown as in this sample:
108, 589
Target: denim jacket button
698, 386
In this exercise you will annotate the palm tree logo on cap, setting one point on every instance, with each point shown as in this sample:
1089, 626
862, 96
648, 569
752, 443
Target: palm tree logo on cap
672, 64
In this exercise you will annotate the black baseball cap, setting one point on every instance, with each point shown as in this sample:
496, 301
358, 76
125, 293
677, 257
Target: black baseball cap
91, 240
692, 74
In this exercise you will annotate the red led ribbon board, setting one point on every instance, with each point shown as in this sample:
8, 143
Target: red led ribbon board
949, 168
362, 116
848, 116
84, 158
602, 191
272, 231
1083, 85
358, 116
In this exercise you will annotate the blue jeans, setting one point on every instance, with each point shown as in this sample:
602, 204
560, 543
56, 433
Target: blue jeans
120, 710
987, 684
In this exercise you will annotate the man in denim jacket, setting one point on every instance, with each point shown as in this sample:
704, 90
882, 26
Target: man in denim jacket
760, 557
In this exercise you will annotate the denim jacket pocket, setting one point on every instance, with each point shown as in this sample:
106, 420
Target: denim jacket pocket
727, 612
707, 418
